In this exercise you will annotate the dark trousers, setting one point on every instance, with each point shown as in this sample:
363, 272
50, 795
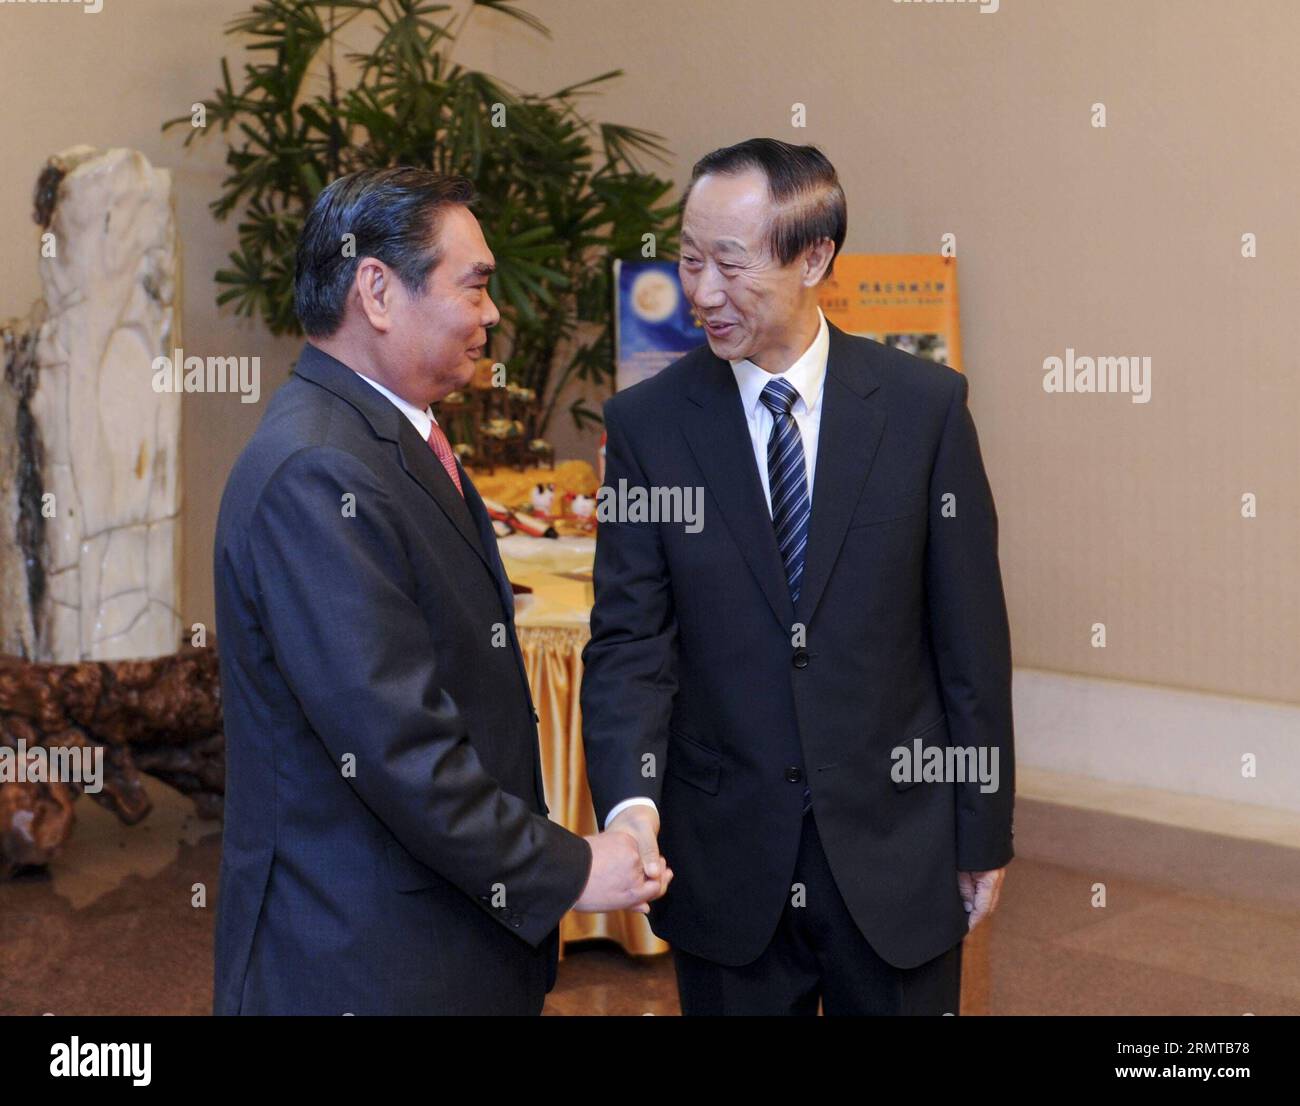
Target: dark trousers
818, 954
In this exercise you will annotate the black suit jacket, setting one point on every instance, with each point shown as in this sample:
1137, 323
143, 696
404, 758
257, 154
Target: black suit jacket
700, 692
386, 848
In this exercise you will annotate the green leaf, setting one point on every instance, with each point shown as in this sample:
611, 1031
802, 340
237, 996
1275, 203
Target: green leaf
561, 192
515, 13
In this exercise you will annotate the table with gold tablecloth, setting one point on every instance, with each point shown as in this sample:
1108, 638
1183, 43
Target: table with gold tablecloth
553, 628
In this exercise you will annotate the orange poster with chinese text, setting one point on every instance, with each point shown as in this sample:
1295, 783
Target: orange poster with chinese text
908, 300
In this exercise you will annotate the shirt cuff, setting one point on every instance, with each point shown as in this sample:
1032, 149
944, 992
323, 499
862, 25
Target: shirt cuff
640, 800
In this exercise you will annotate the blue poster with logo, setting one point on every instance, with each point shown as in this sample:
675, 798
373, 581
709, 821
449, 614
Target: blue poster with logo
653, 321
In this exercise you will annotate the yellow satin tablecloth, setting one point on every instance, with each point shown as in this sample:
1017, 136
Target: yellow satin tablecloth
553, 628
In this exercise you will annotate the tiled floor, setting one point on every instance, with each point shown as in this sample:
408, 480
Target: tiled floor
1194, 921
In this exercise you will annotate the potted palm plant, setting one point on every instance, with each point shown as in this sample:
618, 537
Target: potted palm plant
561, 194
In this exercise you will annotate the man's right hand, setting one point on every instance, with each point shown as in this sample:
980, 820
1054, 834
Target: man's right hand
641, 820
618, 879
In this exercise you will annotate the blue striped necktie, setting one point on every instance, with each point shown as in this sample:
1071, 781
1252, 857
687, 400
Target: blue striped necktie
787, 480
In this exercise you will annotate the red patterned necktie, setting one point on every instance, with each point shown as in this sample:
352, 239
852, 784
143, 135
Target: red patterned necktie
439, 444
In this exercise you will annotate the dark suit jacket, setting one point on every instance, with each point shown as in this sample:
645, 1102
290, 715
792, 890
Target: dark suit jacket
696, 669
386, 848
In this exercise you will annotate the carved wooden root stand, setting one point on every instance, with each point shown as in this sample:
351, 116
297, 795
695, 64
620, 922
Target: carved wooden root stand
161, 717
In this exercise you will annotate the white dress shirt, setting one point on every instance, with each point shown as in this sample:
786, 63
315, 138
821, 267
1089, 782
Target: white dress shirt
422, 420
806, 375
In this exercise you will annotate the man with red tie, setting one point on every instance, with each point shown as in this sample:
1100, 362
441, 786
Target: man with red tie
386, 846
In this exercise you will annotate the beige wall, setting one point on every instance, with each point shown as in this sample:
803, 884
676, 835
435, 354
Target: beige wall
940, 119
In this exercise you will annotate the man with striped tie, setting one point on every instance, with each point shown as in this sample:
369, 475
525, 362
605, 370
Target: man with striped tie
386, 846
748, 683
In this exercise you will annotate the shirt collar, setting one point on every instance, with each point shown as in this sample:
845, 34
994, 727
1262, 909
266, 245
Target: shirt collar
806, 375
422, 420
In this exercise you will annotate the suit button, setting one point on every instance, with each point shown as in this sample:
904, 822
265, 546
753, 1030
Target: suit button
800, 658
794, 775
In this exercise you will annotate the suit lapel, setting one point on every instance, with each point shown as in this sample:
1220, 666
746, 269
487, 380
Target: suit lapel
851, 426
488, 537
418, 460
718, 436
423, 466
483, 522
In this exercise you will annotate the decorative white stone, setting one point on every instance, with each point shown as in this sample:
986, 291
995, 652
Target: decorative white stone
111, 443
17, 632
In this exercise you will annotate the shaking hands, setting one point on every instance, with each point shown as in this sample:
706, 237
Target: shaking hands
627, 871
